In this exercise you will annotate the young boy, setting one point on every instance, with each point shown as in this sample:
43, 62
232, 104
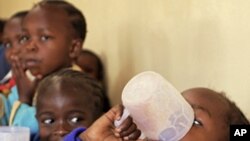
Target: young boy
214, 113
67, 100
91, 64
53, 34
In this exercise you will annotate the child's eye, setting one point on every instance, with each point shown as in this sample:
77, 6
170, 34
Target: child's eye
7, 45
45, 38
75, 120
197, 123
48, 121
23, 39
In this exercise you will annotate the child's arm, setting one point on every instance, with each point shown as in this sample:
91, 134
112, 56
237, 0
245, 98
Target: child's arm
103, 129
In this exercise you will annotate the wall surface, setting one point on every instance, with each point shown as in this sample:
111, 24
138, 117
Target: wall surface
190, 42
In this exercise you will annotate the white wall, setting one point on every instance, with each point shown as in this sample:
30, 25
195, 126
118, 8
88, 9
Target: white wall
190, 42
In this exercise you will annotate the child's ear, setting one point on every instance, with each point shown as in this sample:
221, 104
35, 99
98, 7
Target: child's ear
75, 48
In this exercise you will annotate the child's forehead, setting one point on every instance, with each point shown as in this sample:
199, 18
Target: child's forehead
16, 21
206, 98
13, 26
67, 92
47, 17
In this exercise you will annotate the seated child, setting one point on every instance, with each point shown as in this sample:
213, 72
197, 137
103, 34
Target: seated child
214, 113
91, 64
66, 100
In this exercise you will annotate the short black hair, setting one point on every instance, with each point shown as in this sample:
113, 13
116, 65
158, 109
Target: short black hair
20, 14
2, 23
78, 82
76, 17
234, 115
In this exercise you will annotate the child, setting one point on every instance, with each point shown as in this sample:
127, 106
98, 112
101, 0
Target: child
11, 41
91, 64
214, 113
53, 34
67, 100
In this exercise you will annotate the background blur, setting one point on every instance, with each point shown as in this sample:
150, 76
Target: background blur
190, 42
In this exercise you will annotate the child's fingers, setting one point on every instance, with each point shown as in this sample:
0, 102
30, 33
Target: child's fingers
17, 66
133, 136
114, 113
125, 125
128, 131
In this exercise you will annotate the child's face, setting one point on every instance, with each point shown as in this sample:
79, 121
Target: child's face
12, 37
59, 112
210, 114
49, 40
88, 64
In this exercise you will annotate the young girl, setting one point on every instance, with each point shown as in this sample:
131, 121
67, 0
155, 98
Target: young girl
214, 113
68, 100
53, 34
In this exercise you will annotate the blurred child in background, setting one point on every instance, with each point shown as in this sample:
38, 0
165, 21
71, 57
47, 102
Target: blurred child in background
91, 64
13, 47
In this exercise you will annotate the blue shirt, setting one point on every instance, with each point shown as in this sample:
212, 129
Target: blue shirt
73, 135
24, 116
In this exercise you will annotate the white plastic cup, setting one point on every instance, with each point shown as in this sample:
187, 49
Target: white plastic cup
157, 108
12, 133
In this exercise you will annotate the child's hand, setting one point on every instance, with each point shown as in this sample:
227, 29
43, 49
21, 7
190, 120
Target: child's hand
26, 87
103, 129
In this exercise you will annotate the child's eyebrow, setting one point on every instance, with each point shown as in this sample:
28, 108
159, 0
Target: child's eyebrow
198, 107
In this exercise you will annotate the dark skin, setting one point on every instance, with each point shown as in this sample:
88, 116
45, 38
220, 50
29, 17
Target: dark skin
210, 114
11, 39
103, 129
49, 39
88, 64
48, 47
59, 112
14, 49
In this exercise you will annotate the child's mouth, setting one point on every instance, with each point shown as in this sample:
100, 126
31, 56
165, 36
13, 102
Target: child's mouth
30, 63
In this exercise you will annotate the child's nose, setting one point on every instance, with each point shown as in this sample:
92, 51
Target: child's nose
61, 129
61, 132
31, 46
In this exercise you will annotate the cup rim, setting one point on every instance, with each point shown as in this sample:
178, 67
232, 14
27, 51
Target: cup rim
14, 129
